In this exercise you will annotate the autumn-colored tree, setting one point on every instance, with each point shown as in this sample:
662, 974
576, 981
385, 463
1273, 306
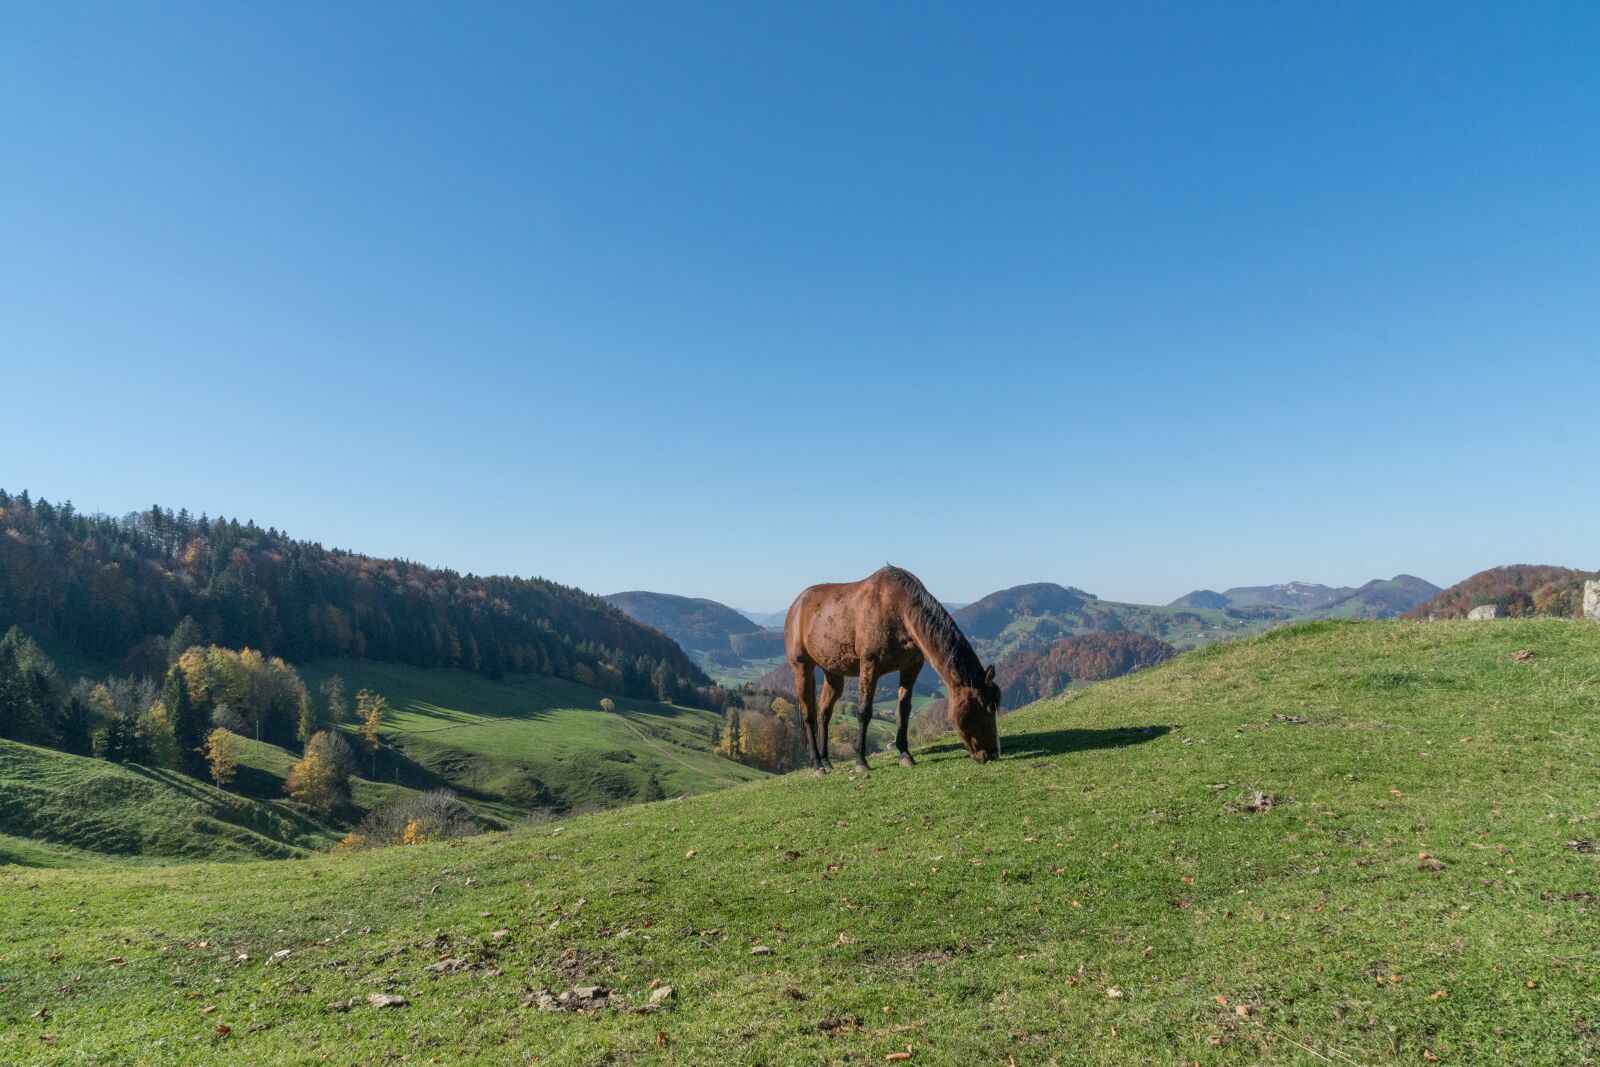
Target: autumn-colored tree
160, 741
306, 720
310, 782
265, 692
320, 779
222, 755
370, 709
728, 744
608, 705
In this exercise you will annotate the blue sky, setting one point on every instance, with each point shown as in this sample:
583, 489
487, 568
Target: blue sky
727, 299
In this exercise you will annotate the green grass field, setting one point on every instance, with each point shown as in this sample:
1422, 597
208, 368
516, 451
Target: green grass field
1348, 843
65, 810
531, 741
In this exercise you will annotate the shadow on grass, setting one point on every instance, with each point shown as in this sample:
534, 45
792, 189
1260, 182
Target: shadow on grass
1037, 743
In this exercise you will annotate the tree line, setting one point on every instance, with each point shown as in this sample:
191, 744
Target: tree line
194, 720
117, 590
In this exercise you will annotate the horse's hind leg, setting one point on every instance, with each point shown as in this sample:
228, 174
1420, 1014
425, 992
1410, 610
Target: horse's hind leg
805, 687
832, 686
869, 687
902, 716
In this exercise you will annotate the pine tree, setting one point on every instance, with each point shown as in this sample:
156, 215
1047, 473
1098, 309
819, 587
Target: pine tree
188, 722
185, 636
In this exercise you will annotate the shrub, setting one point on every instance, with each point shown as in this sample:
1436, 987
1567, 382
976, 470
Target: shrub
438, 815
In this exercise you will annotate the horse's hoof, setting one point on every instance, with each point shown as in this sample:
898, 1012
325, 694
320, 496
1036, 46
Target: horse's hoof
819, 771
826, 766
907, 761
861, 767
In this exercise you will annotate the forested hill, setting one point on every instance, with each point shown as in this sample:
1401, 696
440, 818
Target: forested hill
1520, 589
693, 622
116, 590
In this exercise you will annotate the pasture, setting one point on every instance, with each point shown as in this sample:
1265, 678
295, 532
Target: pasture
1348, 843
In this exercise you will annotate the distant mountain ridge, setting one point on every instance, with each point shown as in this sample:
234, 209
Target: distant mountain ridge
1379, 598
1032, 617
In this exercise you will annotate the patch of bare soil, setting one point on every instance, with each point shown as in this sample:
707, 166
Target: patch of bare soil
1256, 803
910, 961
1279, 719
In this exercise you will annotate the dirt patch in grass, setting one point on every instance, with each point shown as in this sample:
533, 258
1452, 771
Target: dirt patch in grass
1339, 721
575, 965
911, 960
1256, 803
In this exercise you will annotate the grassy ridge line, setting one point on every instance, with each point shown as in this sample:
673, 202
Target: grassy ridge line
991, 910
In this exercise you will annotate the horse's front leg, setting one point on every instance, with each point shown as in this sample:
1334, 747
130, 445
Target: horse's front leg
869, 686
902, 717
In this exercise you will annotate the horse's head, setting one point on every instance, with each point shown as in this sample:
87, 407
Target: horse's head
975, 711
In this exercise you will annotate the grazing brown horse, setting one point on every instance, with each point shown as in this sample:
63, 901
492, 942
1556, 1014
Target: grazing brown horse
887, 622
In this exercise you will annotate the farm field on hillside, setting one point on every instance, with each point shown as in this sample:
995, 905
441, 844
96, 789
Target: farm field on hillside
1340, 842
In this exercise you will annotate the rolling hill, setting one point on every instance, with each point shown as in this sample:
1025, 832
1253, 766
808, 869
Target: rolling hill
114, 591
533, 743
1033, 617
1377, 599
57, 809
512, 748
1311, 846
1521, 589
725, 643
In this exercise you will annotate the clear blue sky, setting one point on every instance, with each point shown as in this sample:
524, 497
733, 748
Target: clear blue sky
726, 299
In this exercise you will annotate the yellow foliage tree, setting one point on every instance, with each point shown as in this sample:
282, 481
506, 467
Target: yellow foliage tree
608, 705
222, 755
370, 709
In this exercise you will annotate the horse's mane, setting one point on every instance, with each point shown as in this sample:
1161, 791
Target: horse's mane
947, 647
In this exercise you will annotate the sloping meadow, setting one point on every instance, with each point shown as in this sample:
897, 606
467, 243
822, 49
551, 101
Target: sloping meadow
1341, 842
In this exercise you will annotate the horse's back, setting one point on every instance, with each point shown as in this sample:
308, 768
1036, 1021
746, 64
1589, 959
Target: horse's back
823, 622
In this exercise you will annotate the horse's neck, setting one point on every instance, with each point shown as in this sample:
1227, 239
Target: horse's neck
949, 654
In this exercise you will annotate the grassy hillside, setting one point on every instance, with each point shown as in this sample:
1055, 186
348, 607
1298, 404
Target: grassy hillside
58, 809
530, 741
510, 747
1336, 843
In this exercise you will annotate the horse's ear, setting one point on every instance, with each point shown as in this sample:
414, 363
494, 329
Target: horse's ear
988, 675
